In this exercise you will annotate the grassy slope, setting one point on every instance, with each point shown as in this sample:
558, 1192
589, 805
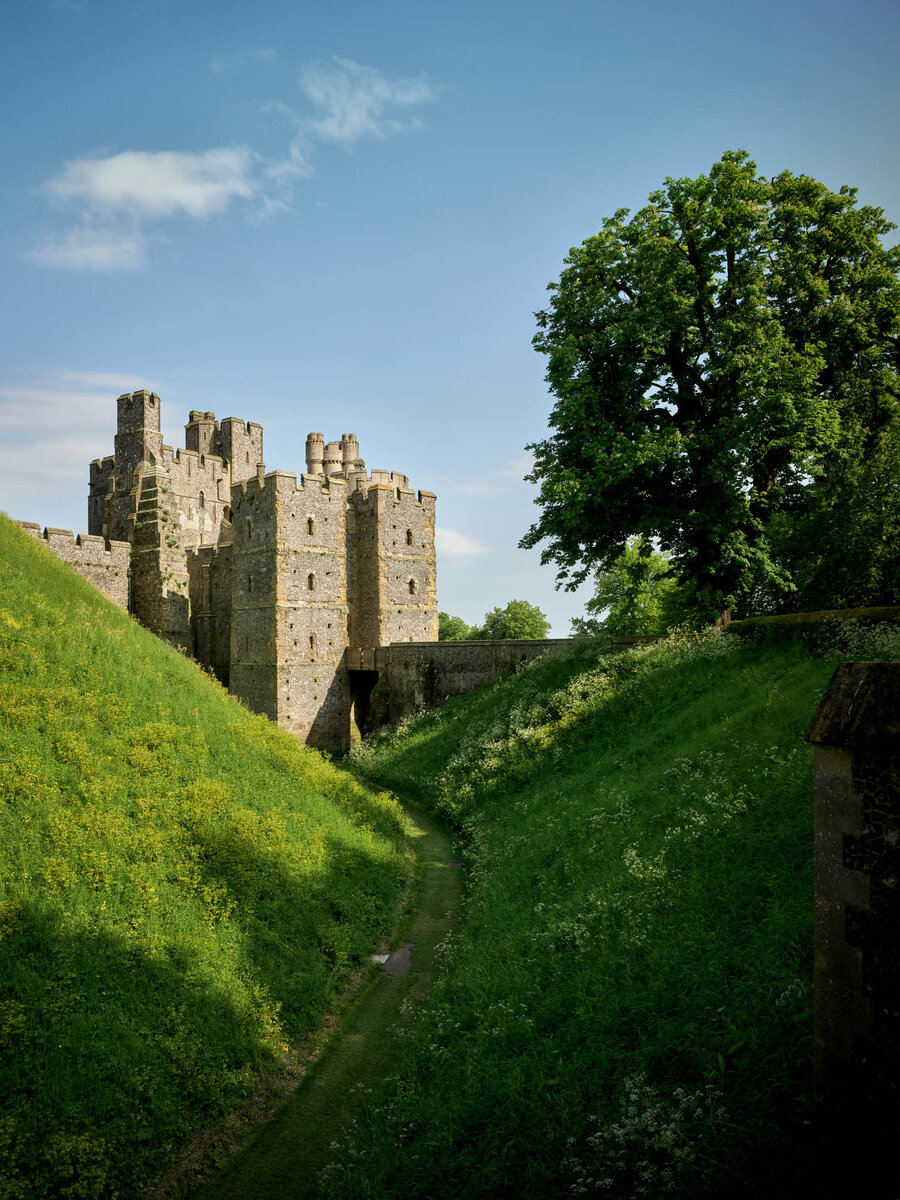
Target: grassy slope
183, 889
626, 1010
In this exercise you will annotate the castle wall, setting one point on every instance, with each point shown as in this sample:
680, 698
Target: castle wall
856, 976
199, 565
160, 582
209, 587
197, 492
241, 446
253, 670
221, 582
100, 488
410, 579
115, 481
168, 504
200, 433
104, 564
365, 569
138, 432
421, 675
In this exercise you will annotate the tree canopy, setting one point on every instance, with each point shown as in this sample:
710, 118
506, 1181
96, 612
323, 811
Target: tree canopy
713, 357
452, 629
636, 594
518, 619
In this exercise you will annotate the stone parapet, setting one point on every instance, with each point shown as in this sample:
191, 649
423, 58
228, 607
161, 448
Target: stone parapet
101, 562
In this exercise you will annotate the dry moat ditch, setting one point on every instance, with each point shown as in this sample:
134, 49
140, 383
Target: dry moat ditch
285, 1154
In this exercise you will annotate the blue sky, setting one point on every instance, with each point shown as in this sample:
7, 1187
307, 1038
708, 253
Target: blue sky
342, 218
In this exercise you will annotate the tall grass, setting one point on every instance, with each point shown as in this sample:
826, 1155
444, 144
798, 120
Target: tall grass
183, 889
626, 1010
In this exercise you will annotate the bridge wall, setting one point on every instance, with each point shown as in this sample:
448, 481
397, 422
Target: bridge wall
415, 675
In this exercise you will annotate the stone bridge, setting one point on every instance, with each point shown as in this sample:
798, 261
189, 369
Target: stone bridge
416, 675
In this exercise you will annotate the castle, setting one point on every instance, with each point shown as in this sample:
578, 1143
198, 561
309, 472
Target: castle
273, 583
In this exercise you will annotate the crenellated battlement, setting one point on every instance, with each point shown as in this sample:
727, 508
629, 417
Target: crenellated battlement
102, 562
287, 481
191, 472
397, 492
236, 442
102, 466
138, 410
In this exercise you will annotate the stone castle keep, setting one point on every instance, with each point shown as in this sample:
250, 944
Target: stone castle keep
266, 579
300, 595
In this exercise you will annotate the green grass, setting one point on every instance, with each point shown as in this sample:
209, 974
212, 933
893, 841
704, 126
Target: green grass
626, 1009
183, 890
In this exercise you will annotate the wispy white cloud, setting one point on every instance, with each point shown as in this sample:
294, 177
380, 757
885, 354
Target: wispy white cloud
295, 166
357, 100
110, 381
86, 248
450, 543
116, 196
144, 184
67, 402
233, 60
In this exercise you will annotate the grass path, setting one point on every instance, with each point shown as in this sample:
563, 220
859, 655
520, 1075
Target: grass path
286, 1154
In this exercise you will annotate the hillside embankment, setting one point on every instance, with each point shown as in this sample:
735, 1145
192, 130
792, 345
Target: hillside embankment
184, 890
626, 1008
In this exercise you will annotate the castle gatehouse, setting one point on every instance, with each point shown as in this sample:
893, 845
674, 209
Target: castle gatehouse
267, 579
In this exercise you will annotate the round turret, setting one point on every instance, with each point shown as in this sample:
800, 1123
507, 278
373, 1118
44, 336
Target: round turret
315, 453
349, 452
334, 462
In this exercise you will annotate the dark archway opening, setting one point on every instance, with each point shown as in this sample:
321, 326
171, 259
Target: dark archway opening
364, 709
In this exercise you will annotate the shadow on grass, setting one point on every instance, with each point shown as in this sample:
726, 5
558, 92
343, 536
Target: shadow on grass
303, 933
111, 1055
107, 1057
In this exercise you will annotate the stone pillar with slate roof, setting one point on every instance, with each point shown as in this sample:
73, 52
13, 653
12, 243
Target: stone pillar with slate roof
856, 734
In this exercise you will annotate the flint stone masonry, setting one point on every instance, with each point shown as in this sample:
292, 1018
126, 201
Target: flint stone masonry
265, 578
103, 563
856, 734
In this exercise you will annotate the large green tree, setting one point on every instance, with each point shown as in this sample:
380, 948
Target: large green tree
728, 345
518, 619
